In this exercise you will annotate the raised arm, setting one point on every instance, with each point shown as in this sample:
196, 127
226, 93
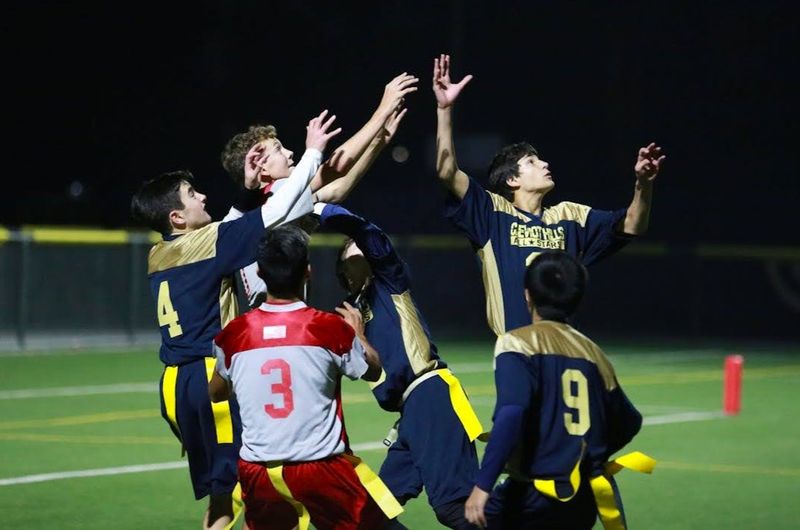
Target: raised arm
446, 93
647, 166
338, 190
276, 210
345, 156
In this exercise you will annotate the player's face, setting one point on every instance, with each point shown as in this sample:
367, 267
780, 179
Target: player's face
355, 268
534, 175
278, 163
194, 214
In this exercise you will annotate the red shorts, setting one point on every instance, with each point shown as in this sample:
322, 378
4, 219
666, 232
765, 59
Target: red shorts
329, 490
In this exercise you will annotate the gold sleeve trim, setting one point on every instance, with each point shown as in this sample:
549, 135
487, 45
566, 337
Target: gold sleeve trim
566, 211
501, 204
228, 304
495, 313
189, 248
417, 345
554, 338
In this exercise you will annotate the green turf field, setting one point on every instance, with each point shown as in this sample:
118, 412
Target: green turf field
97, 412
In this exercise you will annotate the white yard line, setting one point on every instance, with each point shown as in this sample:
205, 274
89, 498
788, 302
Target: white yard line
683, 417
119, 388
360, 447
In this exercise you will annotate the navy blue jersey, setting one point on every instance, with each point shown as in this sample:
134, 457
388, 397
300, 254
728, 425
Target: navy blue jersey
394, 325
559, 408
506, 239
192, 284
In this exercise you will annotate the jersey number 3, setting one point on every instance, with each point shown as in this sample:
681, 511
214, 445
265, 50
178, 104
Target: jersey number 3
284, 388
167, 316
576, 396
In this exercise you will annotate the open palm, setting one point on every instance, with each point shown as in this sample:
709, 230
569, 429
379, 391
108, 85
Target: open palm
444, 89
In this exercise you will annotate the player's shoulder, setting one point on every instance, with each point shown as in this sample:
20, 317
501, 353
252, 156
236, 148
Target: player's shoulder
501, 205
330, 329
197, 245
566, 211
236, 326
545, 337
519, 340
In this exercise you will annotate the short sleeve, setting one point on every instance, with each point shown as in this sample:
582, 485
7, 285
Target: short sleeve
353, 363
601, 237
222, 370
473, 214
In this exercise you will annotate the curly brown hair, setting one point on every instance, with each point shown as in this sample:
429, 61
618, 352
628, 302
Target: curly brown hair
236, 149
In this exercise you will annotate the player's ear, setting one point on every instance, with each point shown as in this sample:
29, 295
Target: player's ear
176, 219
513, 182
308, 272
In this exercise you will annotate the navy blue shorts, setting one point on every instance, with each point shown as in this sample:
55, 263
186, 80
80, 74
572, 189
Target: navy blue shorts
210, 433
432, 449
518, 505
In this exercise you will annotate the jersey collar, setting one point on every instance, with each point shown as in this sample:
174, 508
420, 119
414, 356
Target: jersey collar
282, 308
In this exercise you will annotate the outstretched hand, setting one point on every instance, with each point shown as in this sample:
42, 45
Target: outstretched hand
444, 89
648, 163
317, 134
391, 125
395, 91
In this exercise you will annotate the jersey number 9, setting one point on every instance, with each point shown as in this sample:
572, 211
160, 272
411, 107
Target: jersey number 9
576, 396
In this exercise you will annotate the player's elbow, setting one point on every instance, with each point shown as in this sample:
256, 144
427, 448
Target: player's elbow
372, 374
634, 225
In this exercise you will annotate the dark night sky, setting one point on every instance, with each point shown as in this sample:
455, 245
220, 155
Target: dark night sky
110, 94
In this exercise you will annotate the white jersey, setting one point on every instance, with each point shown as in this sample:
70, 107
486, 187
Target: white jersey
285, 363
254, 287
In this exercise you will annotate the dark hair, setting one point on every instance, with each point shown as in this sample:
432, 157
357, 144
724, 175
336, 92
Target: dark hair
157, 197
236, 149
505, 165
283, 259
556, 282
309, 222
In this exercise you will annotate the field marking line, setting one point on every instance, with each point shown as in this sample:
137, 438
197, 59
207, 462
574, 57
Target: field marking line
683, 417
120, 388
462, 368
85, 419
84, 440
359, 447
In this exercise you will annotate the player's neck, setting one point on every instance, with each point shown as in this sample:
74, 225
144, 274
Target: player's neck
283, 299
536, 316
530, 202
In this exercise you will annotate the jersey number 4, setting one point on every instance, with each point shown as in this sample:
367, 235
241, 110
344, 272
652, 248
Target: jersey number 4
283, 388
167, 316
576, 396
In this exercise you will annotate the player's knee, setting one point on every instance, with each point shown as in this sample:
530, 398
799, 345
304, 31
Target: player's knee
451, 515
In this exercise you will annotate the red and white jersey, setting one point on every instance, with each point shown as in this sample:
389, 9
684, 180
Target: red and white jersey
285, 363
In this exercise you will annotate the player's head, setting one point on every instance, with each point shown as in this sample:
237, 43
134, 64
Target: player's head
554, 285
283, 261
517, 167
352, 268
259, 140
169, 203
